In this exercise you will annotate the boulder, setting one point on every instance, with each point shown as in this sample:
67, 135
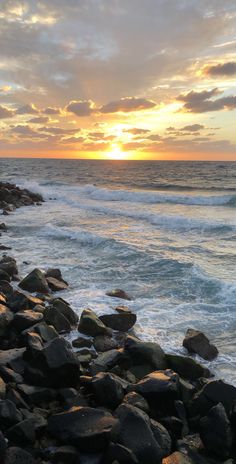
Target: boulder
56, 274
57, 363
18, 301
177, 458
8, 264
7, 357
66, 454
133, 431
2, 388
25, 319
108, 389
91, 324
22, 433
212, 393
145, 357
56, 285
3, 446
122, 309
4, 275
121, 321
106, 361
104, 343
162, 437
64, 308
215, 432
35, 282
119, 454
134, 399
5, 287
187, 367
9, 414
36, 395
6, 317
86, 428
45, 331
8, 375
15, 455
197, 342
55, 318
82, 342
118, 293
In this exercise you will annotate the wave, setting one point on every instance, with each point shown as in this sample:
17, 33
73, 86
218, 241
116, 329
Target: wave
61, 191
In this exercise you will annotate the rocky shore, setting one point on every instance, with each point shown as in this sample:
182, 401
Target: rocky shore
107, 398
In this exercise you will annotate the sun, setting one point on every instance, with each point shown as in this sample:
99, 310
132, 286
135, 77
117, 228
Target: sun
116, 153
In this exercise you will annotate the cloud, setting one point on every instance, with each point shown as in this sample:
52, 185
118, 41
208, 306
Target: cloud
27, 109
58, 130
39, 120
5, 112
136, 131
81, 107
200, 102
50, 110
26, 131
186, 130
221, 69
127, 104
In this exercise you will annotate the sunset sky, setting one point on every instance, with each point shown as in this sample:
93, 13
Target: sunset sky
133, 79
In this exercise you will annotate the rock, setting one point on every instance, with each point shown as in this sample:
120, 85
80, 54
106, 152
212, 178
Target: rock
82, 342
64, 308
66, 454
5, 287
215, 432
15, 455
9, 356
22, 433
4, 276
3, 446
162, 437
8, 264
18, 301
55, 318
56, 274
3, 227
119, 454
36, 395
6, 317
8, 375
133, 430
9, 414
213, 392
177, 458
105, 361
108, 389
104, 343
134, 399
91, 324
46, 332
57, 363
25, 319
122, 309
145, 357
197, 342
86, 428
56, 285
3, 299
187, 367
118, 293
121, 322
5, 247
35, 282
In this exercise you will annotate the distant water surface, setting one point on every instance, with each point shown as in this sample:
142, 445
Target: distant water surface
163, 231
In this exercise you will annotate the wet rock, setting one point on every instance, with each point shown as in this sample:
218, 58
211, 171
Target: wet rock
8, 375
57, 363
22, 433
120, 454
45, 331
145, 357
3, 227
197, 342
212, 393
36, 395
9, 414
177, 458
86, 428
105, 361
64, 308
4, 276
5, 287
118, 293
82, 342
122, 309
134, 399
5, 247
3, 446
6, 317
55, 318
56, 274
66, 454
133, 430
2, 388
56, 285
18, 301
91, 324
15, 455
104, 343
8, 264
187, 367
121, 322
108, 389
215, 432
35, 282
9, 356
25, 319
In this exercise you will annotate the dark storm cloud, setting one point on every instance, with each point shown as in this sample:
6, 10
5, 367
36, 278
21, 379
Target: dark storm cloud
221, 69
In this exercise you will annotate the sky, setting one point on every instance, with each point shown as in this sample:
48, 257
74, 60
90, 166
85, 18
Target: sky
118, 79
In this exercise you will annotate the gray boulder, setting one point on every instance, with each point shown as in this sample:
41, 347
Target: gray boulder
91, 324
35, 282
197, 342
121, 321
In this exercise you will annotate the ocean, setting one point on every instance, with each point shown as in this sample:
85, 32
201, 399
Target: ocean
163, 231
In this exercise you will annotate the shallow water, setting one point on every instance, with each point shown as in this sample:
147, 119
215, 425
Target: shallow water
163, 231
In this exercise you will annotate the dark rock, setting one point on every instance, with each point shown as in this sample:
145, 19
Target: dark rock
46, 332
64, 308
215, 432
82, 342
9, 414
66, 454
6, 317
58, 364
121, 322
86, 428
134, 399
122, 309
25, 319
3, 227
104, 343
16, 398
120, 454
2, 388
15, 455
174, 425
213, 392
18, 301
3, 446
56, 274
56, 285
177, 458
9, 356
4, 247
8, 375
162, 437
187, 367
118, 293
55, 318
91, 324
109, 389
6, 288
105, 361
22, 433
8, 264
35, 282
4, 276
145, 357
133, 430
197, 342
36, 395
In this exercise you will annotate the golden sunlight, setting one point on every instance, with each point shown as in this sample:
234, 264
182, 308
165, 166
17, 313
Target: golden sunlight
116, 153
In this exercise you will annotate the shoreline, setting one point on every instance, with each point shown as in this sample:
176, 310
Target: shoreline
131, 401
